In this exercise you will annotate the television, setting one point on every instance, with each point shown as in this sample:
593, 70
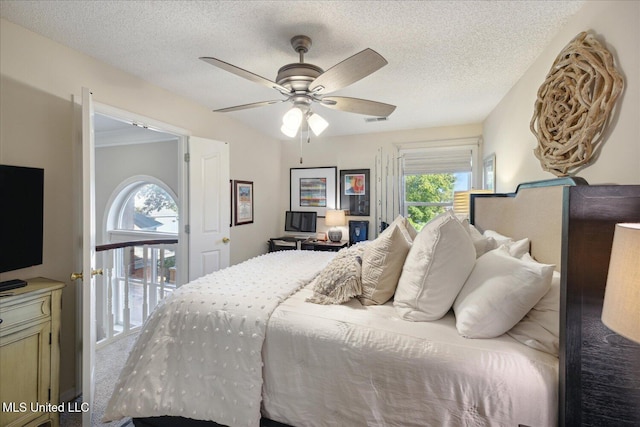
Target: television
21, 217
300, 222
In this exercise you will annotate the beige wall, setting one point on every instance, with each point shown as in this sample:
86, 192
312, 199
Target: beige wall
358, 152
506, 130
39, 76
38, 79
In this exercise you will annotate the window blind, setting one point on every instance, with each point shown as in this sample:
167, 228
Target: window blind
430, 161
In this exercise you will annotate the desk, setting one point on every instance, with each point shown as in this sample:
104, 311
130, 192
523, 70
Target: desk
310, 245
287, 243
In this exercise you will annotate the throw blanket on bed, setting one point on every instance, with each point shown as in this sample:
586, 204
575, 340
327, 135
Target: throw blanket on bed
199, 353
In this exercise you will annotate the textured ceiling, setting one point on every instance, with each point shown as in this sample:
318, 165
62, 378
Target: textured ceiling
450, 62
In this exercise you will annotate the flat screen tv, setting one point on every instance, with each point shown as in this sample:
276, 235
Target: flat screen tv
21, 217
300, 222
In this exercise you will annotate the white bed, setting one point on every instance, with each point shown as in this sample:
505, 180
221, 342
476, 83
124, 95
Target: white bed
332, 365
362, 365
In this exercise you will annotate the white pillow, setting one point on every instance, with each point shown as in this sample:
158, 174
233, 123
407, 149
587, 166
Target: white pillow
439, 262
499, 292
516, 248
405, 226
540, 328
382, 262
483, 244
499, 238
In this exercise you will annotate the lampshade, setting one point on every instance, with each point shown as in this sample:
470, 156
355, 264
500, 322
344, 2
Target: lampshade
291, 122
621, 309
335, 218
317, 123
290, 132
292, 118
462, 200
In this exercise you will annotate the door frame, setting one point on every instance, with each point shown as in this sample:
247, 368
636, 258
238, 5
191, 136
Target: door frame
183, 238
183, 170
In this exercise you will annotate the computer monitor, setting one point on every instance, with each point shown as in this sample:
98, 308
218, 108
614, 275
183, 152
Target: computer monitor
300, 222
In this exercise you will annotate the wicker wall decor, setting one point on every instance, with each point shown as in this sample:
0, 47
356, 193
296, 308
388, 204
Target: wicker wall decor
574, 105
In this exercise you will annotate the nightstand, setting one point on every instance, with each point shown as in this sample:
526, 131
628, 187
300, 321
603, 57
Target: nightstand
317, 245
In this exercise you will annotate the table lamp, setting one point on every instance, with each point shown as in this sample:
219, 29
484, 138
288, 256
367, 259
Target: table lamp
621, 309
334, 219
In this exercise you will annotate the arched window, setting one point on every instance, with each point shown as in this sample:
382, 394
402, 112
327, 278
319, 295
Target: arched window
142, 206
148, 207
141, 216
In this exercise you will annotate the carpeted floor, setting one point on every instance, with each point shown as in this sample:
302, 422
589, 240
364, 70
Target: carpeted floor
109, 362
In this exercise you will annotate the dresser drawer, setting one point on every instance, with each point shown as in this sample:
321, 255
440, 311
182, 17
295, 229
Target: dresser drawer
23, 309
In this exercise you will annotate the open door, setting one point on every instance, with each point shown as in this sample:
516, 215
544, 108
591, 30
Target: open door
88, 290
209, 202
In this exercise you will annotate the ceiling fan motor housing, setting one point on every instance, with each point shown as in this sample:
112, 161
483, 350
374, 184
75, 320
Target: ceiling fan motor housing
298, 76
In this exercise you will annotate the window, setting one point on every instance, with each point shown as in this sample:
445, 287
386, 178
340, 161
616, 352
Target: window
429, 178
142, 211
148, 207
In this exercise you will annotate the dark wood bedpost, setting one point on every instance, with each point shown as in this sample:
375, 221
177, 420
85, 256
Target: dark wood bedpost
599, 369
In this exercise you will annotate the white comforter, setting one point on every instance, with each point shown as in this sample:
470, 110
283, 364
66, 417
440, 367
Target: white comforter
354, 365
199, 353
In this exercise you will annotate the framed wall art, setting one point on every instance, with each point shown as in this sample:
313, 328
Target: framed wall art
243, 198
355, 191
313, 189
489, 172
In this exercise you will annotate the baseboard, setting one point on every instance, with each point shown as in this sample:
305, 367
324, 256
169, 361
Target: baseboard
69, 395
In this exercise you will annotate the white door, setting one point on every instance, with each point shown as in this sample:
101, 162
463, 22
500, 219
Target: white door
88, 255
209, 206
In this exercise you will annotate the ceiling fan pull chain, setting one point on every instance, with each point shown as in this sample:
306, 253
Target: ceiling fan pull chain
300, 146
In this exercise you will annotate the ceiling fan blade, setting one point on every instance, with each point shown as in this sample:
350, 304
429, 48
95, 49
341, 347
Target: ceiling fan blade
247, 106
357, 105
245, 74
348, 71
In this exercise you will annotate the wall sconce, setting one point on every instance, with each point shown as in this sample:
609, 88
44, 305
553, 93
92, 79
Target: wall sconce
621, 308
334, 219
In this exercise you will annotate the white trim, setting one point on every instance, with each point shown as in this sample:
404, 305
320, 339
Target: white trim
437, 143
139, 120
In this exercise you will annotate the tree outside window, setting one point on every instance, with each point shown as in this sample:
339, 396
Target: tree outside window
429, 195
150, 208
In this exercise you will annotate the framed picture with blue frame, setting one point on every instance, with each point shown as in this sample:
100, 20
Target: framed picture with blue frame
358, 231
355, 192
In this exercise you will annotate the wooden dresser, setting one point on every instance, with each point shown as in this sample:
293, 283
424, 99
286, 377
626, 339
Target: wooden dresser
30, 354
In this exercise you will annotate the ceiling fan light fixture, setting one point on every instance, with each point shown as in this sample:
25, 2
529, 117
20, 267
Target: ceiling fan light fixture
291, 121
292, 118
317, 123
290, 132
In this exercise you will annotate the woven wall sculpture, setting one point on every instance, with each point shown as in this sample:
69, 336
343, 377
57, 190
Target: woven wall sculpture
574, 105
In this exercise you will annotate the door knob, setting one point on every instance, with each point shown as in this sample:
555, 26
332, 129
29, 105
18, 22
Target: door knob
76, 276
226, 240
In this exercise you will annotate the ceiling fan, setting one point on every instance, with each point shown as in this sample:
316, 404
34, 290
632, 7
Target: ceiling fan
303, 84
